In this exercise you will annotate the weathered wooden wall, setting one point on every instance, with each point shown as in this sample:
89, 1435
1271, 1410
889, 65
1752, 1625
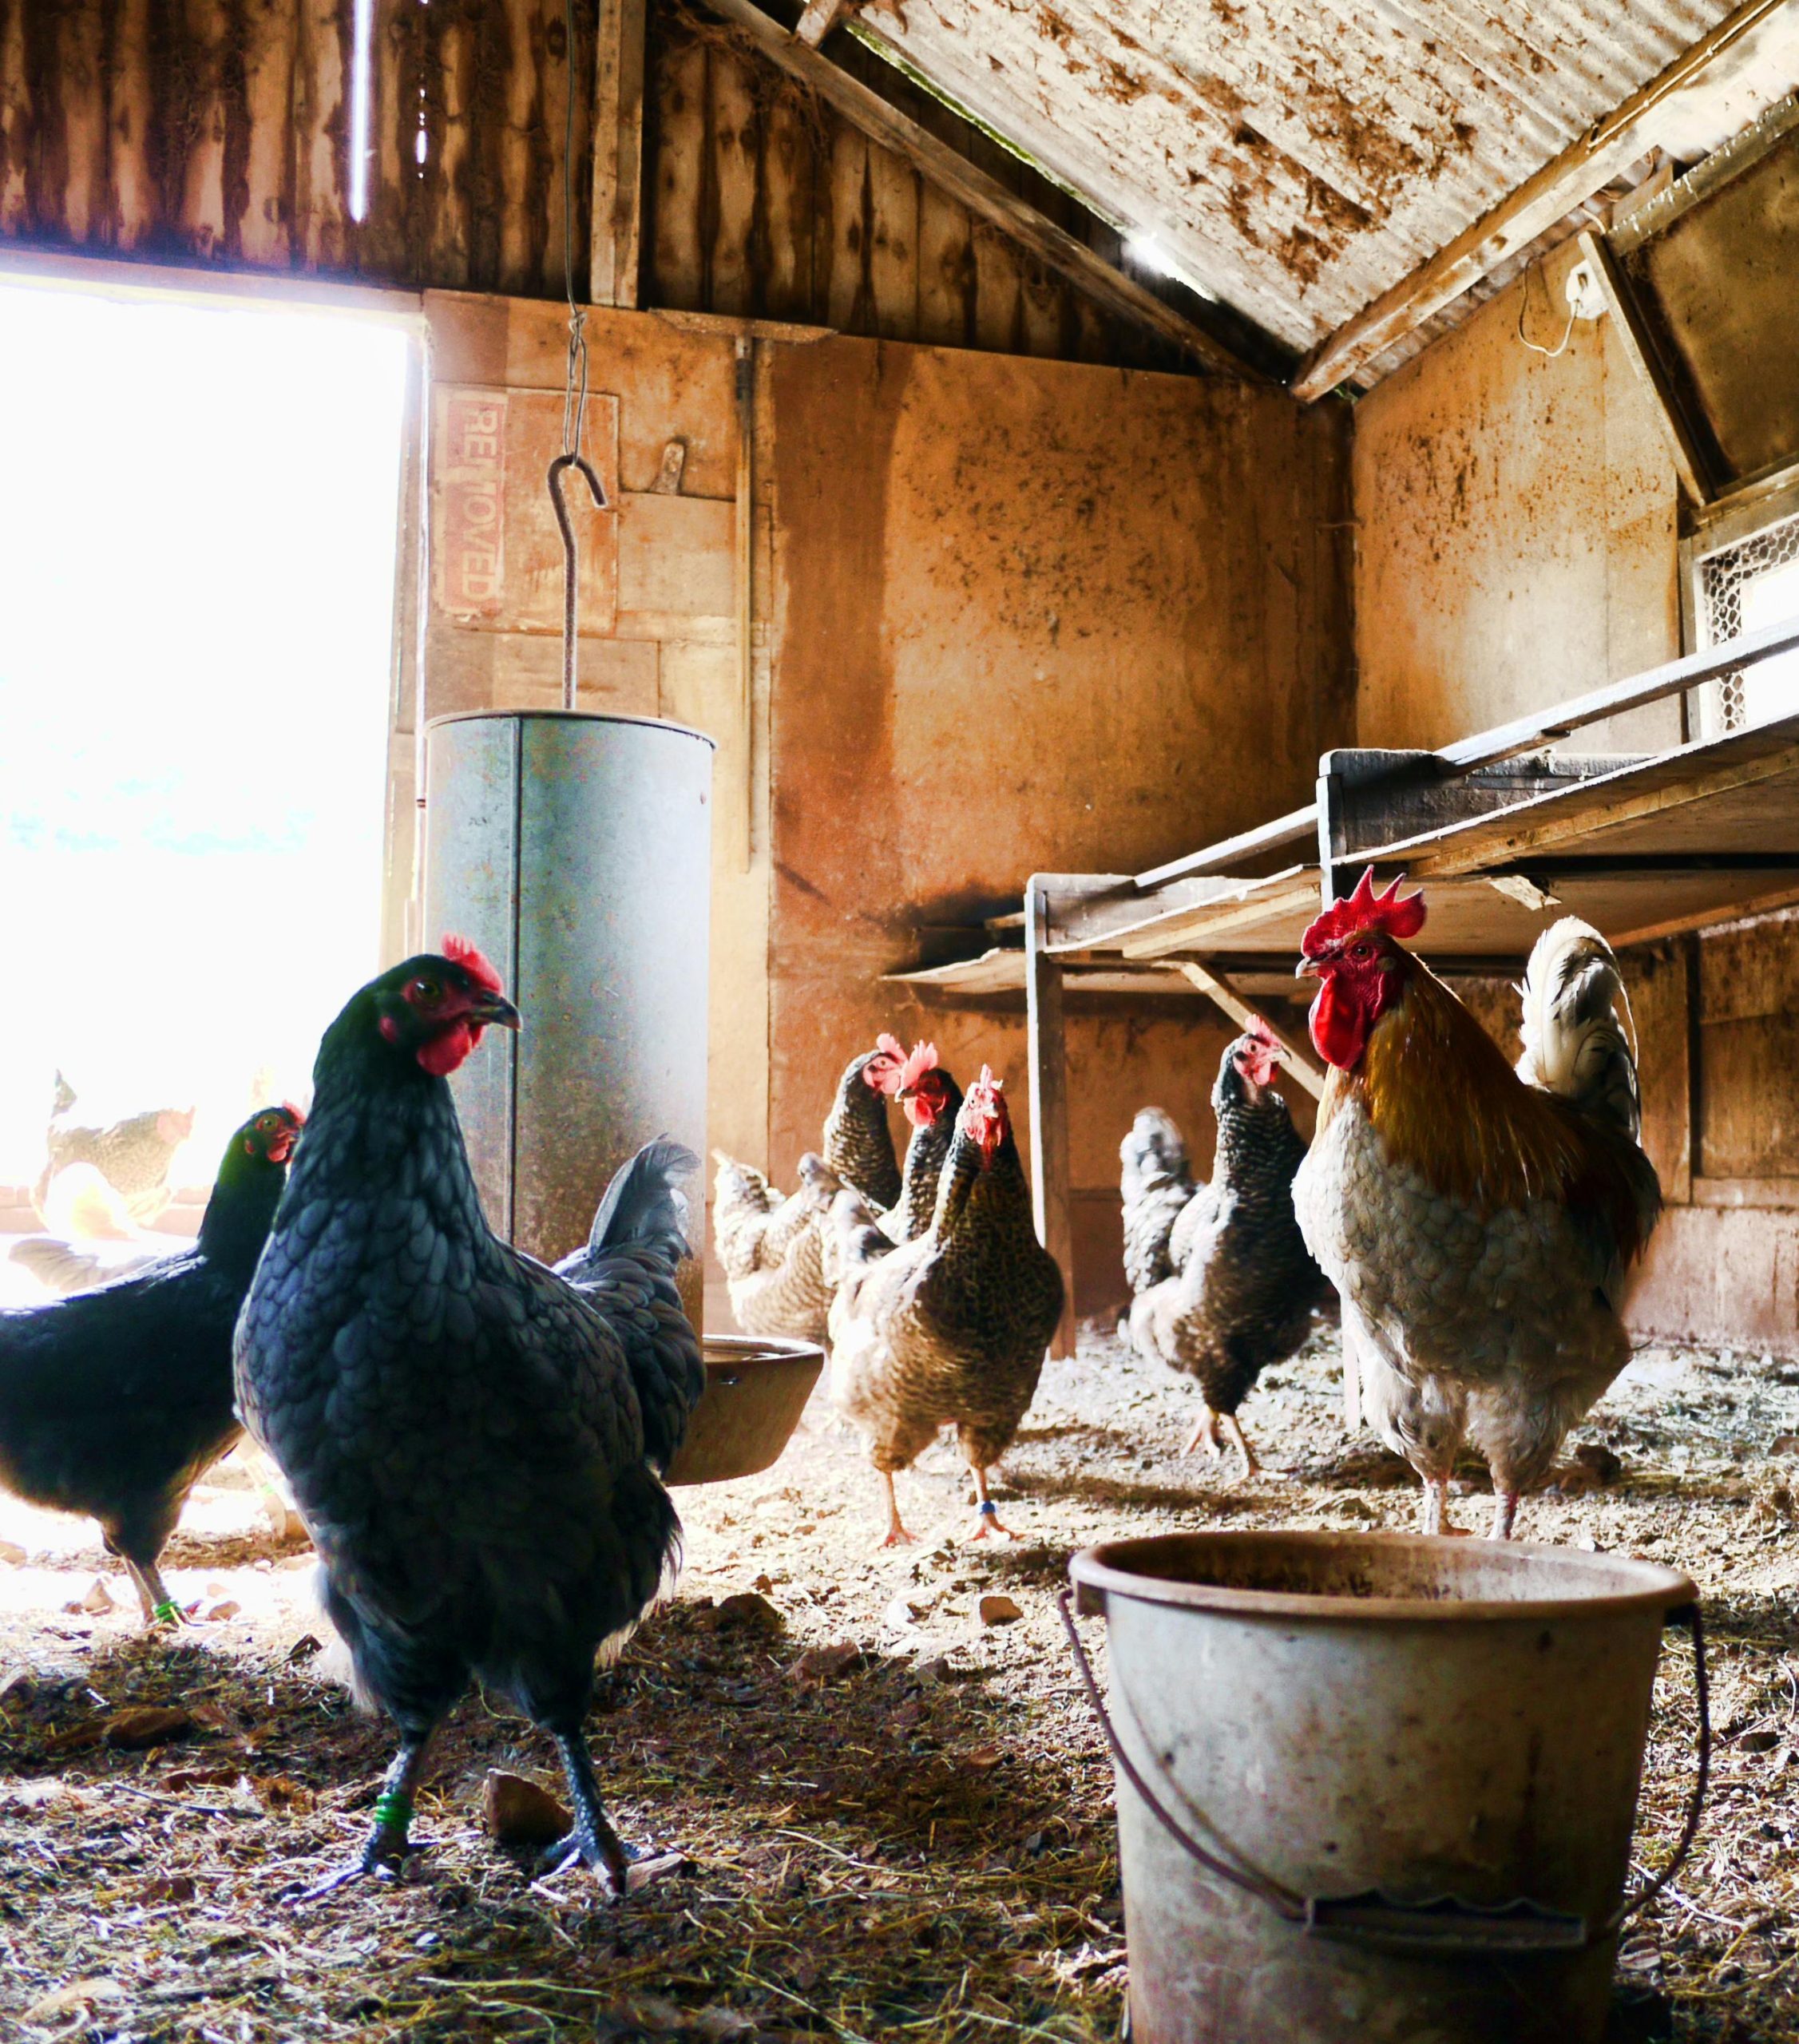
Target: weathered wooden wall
1028, 614
760, 198
216, 131
944, 693
1516, 544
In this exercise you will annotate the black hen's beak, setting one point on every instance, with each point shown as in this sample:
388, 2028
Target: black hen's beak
493, 1010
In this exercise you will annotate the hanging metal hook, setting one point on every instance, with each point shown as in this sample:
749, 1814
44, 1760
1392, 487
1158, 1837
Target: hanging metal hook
570, 557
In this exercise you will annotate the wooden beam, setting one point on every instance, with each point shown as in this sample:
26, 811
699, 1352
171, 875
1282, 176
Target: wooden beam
1640, 351
1294, 828
1566, 181
1636, 692
1217, 987
618, 155
821, 16
1049, 1106
954, 173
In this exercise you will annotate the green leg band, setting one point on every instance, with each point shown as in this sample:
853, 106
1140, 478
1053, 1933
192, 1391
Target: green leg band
393, 1811
166, 1613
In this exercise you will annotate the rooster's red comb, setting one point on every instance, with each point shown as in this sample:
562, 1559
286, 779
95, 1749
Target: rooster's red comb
472, 961
1365, 909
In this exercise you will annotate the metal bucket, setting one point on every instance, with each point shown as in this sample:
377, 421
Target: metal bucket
576, 850
755, 1392
1376, 1789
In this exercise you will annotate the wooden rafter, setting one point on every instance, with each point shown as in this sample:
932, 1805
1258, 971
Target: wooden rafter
954, 173
1563, 183
1219, 989
820, 17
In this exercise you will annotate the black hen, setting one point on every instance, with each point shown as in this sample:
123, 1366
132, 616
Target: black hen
471, 1440
114, 1402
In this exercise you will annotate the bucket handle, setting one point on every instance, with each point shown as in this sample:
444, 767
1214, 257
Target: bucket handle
1446, 1924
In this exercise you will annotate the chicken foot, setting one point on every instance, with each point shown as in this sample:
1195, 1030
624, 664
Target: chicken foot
987, 1525
1209, 1428
895, 1536
593, 1842
1505, 1513
388, 1845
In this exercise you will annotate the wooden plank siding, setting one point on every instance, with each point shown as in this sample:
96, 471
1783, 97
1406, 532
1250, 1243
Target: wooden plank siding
764, 202
216, 132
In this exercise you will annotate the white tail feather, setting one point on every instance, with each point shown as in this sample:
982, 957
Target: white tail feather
1580, 1038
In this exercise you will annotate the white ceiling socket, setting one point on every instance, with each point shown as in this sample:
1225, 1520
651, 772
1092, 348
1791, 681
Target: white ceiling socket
1585, 296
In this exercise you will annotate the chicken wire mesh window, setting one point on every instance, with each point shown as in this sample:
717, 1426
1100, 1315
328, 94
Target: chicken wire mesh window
1747, 587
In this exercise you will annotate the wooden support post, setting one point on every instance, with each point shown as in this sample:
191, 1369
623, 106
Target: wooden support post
1049, 1105
1303, 1066
618, 154
745, 579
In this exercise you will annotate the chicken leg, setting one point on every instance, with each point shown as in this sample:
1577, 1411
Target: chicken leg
987, 1525
160, 1608
593, 1842
895, 1536
387, 1845
1505, 1513
1214, 1428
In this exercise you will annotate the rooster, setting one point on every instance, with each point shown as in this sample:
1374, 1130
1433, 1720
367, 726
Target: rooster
1244, 1295
931, 1100
772, 1248
474, 1443
1478, 1221
950, 1329
1156, 1185
115, 1402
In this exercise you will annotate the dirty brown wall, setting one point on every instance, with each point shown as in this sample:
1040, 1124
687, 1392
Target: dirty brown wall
1027, 616
1516, 544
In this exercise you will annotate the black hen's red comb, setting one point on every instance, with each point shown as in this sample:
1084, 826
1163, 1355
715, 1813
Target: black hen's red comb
1365, 909
474, 961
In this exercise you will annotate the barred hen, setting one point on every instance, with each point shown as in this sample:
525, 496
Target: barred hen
858, 1142
114, 1403
931, 1100
1478, 1222
1156, 1185
474, 1442
772, 1249
1244, 1295
129, 1159
950, 1329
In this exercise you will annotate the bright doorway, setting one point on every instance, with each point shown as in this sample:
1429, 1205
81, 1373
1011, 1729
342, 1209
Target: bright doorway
198, 550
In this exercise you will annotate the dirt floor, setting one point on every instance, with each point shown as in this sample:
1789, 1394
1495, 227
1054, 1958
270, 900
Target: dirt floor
893, 1819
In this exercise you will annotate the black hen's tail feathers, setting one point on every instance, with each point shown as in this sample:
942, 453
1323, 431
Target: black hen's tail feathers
643, 1206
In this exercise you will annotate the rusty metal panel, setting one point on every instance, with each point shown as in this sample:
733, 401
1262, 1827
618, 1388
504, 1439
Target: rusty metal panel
1297, 162
577, 851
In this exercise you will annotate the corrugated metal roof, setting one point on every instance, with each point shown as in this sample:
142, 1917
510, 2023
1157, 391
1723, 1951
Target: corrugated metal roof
1294, 160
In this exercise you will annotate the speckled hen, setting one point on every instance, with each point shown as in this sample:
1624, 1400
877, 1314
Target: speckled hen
1244, 1296
950, 1329
474, 1443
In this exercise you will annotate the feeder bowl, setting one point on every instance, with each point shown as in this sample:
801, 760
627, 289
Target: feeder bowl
755, 1392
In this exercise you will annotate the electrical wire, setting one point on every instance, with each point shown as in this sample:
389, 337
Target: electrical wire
1536, 347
